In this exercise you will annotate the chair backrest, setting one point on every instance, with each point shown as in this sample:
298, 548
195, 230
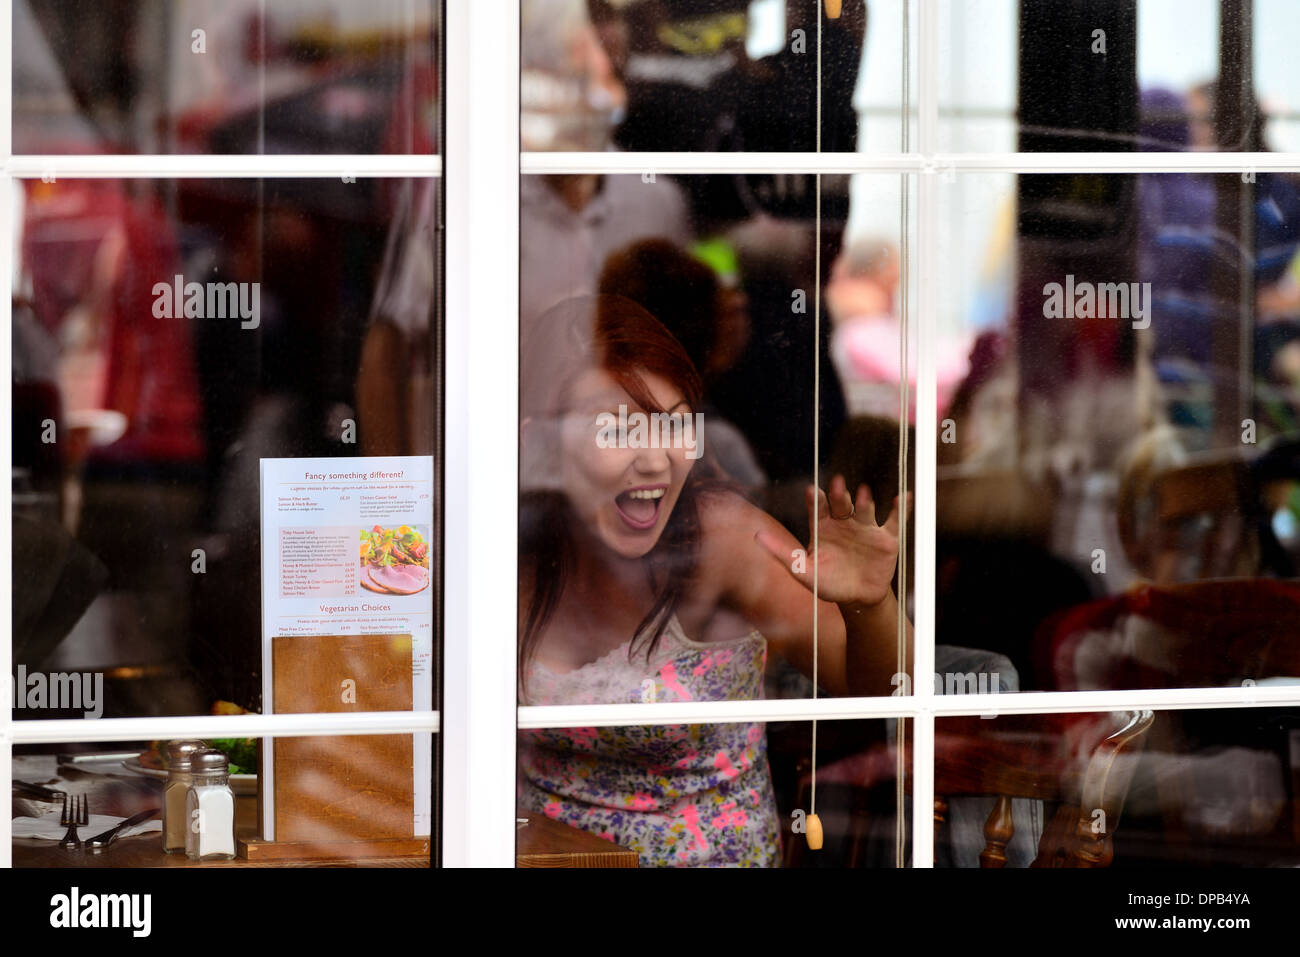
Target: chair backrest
1106, 780
1193, 635
1192, 521
1086, 763
1086, 766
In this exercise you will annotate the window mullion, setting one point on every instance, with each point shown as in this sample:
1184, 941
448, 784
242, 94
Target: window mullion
482, 415
925, 262
7, 234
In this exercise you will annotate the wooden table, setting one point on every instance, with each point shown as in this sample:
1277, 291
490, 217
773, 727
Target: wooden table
543, 842
540, 843
123, 795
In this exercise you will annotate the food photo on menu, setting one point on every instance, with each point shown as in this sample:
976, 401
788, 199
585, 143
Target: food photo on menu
394, 561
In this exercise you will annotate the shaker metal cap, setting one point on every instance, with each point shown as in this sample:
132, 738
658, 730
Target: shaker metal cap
179, 753
208, 761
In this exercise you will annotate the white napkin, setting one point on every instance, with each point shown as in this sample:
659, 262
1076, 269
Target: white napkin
48, 827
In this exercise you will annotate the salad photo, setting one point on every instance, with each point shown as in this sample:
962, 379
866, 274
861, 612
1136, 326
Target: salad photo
394, 561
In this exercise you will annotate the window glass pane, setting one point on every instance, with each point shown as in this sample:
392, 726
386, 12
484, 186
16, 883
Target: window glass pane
347, 800
169, 337
1118, 473
668, 558
710, 796
225, 76
1275, 78
1211, 788
1155, 75
710, 76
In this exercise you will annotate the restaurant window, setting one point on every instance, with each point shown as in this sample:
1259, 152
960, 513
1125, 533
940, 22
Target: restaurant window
1095, 416
1028, 266
226, 369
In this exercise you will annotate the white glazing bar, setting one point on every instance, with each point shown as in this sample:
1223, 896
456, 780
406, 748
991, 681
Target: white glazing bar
1118, 162
805, 709
7, 213
703, 712
617, 162
224, 726
1158, 699
482, 415
222, 167
925, 262
686, 163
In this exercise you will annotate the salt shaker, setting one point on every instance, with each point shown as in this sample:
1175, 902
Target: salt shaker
209, 808
178, 783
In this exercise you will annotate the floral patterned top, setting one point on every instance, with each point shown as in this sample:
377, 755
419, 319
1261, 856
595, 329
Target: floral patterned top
680, 795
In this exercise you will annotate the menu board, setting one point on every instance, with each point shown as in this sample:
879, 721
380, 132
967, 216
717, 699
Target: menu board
347, 550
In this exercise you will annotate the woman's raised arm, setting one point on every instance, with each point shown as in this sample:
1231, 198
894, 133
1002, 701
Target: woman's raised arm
768, 577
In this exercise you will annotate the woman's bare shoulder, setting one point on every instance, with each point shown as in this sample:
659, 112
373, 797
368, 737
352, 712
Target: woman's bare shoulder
728, 523
724, 513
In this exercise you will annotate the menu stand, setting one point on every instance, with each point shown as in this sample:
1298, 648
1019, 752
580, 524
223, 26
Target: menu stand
341, 797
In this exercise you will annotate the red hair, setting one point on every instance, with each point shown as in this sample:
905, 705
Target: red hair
615, 334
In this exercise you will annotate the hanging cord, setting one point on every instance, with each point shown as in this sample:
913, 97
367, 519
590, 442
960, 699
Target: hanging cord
904, 404
817, 388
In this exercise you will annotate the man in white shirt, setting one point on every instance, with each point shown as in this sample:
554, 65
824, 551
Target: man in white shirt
569, 225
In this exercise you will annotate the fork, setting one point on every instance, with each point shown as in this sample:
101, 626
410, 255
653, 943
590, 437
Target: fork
76, 813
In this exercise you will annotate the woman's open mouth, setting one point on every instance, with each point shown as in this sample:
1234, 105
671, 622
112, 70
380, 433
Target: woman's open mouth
639, 507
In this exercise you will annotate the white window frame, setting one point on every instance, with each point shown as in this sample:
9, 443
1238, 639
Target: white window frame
483, 164
152, 167
926, 163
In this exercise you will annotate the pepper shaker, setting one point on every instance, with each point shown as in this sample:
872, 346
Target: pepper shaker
178, 783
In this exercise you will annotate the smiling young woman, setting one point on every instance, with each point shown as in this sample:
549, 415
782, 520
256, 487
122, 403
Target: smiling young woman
645, 577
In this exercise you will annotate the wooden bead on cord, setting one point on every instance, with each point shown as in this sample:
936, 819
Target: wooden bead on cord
833, 9
813, 832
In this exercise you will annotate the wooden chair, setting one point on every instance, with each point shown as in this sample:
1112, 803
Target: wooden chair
1015, 756
1090, 841
1214, 489
1190, 635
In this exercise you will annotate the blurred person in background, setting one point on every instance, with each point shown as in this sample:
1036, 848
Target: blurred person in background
693, 86
862, 300
570, 223
1181, 240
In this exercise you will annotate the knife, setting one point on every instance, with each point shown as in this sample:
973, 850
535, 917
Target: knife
103, 840
35, 790
95, 757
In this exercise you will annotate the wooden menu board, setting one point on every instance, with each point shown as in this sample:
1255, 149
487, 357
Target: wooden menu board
342, 787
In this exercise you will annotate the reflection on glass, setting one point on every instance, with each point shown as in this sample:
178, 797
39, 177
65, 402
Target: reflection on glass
225, 76
1118, 469
708, 796
140, 411
703, 75
339, 800
668, 415
1126, 789
668, 382
734, 285
1162, 75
